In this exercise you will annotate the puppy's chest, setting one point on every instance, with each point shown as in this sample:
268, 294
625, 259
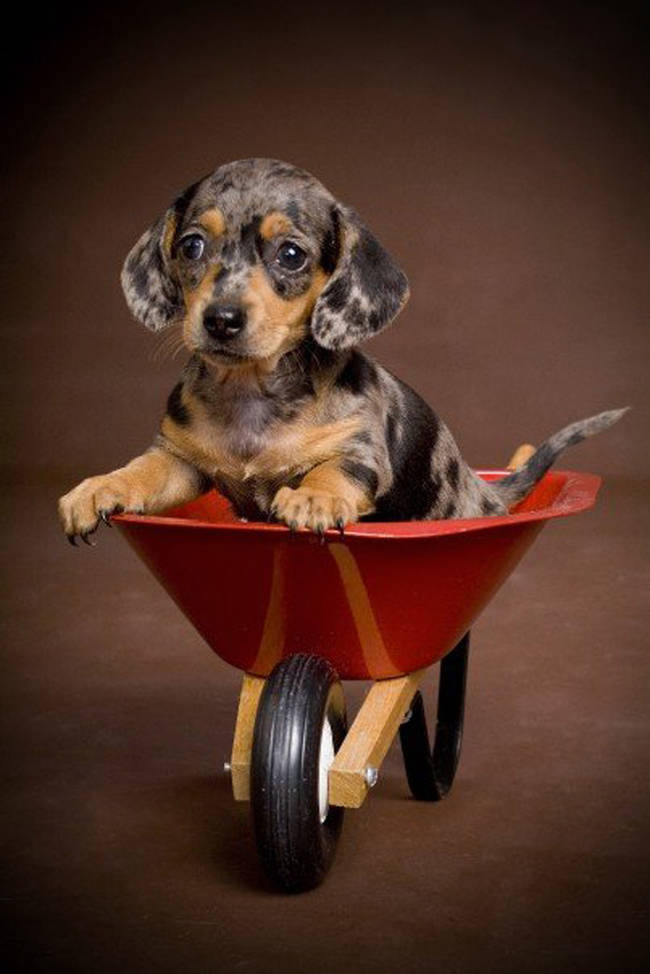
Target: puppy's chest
228, 442
245, 425
245, 437
254, 443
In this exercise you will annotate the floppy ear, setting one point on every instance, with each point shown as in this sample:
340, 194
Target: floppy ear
151, 292
366, 291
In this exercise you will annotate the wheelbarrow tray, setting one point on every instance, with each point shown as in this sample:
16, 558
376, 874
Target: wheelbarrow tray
384, 600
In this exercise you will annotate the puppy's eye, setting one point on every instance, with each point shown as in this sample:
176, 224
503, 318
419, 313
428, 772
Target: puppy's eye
192, 246
291, 257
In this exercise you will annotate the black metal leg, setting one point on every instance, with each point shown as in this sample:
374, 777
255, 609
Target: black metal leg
430, 773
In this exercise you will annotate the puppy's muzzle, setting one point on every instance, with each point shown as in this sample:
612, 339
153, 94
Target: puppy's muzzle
224, 322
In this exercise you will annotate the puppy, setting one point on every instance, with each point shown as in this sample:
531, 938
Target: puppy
275, 284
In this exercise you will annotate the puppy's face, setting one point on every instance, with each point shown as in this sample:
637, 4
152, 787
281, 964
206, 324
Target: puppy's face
256, 256
250, 270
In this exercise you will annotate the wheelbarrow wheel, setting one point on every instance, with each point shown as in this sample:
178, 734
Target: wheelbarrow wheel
300, 724
430, 770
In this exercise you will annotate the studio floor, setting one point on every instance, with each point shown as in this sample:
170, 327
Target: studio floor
124, 850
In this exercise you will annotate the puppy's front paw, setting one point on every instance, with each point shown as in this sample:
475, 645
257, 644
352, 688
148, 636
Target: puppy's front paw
97, 497
318, 510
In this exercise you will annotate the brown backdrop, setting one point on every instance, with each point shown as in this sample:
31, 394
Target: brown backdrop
500, 152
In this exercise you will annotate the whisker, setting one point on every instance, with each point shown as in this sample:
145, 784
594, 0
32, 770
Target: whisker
169, 344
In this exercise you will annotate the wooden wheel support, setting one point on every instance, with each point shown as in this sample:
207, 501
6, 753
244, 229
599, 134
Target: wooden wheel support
356, 765
366, 744
242, 745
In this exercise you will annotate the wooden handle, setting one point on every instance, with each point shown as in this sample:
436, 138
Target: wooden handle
519, 457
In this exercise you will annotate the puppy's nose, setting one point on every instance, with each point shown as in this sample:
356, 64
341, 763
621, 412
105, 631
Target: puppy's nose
223, 321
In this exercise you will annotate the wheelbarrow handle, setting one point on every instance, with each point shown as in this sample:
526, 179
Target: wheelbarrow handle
430, 771
523, 453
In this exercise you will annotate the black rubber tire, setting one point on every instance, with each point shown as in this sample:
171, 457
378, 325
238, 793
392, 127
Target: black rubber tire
295, 847
430, 771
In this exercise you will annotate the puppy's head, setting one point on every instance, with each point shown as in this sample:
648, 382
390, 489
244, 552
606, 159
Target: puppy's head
253, 258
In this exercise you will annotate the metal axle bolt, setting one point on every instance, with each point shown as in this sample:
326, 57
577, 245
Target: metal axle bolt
371, 775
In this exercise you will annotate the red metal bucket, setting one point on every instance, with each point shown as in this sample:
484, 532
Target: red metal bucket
386, 599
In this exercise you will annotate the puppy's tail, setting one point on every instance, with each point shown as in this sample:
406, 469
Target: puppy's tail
516, 485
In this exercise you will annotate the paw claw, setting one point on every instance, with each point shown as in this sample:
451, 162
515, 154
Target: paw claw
72, 538
92, 501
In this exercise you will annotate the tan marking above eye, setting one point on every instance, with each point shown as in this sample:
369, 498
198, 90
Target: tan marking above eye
274, 224
213, 220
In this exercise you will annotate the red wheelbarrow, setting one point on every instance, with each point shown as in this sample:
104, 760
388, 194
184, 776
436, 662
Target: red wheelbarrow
298, 615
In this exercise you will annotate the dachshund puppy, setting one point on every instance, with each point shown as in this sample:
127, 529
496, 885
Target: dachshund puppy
275, 283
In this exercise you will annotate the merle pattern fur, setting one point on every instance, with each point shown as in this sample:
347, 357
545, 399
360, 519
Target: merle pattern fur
400, 454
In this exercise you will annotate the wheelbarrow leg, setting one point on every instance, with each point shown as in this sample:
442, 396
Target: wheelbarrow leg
242, 745
430, 773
